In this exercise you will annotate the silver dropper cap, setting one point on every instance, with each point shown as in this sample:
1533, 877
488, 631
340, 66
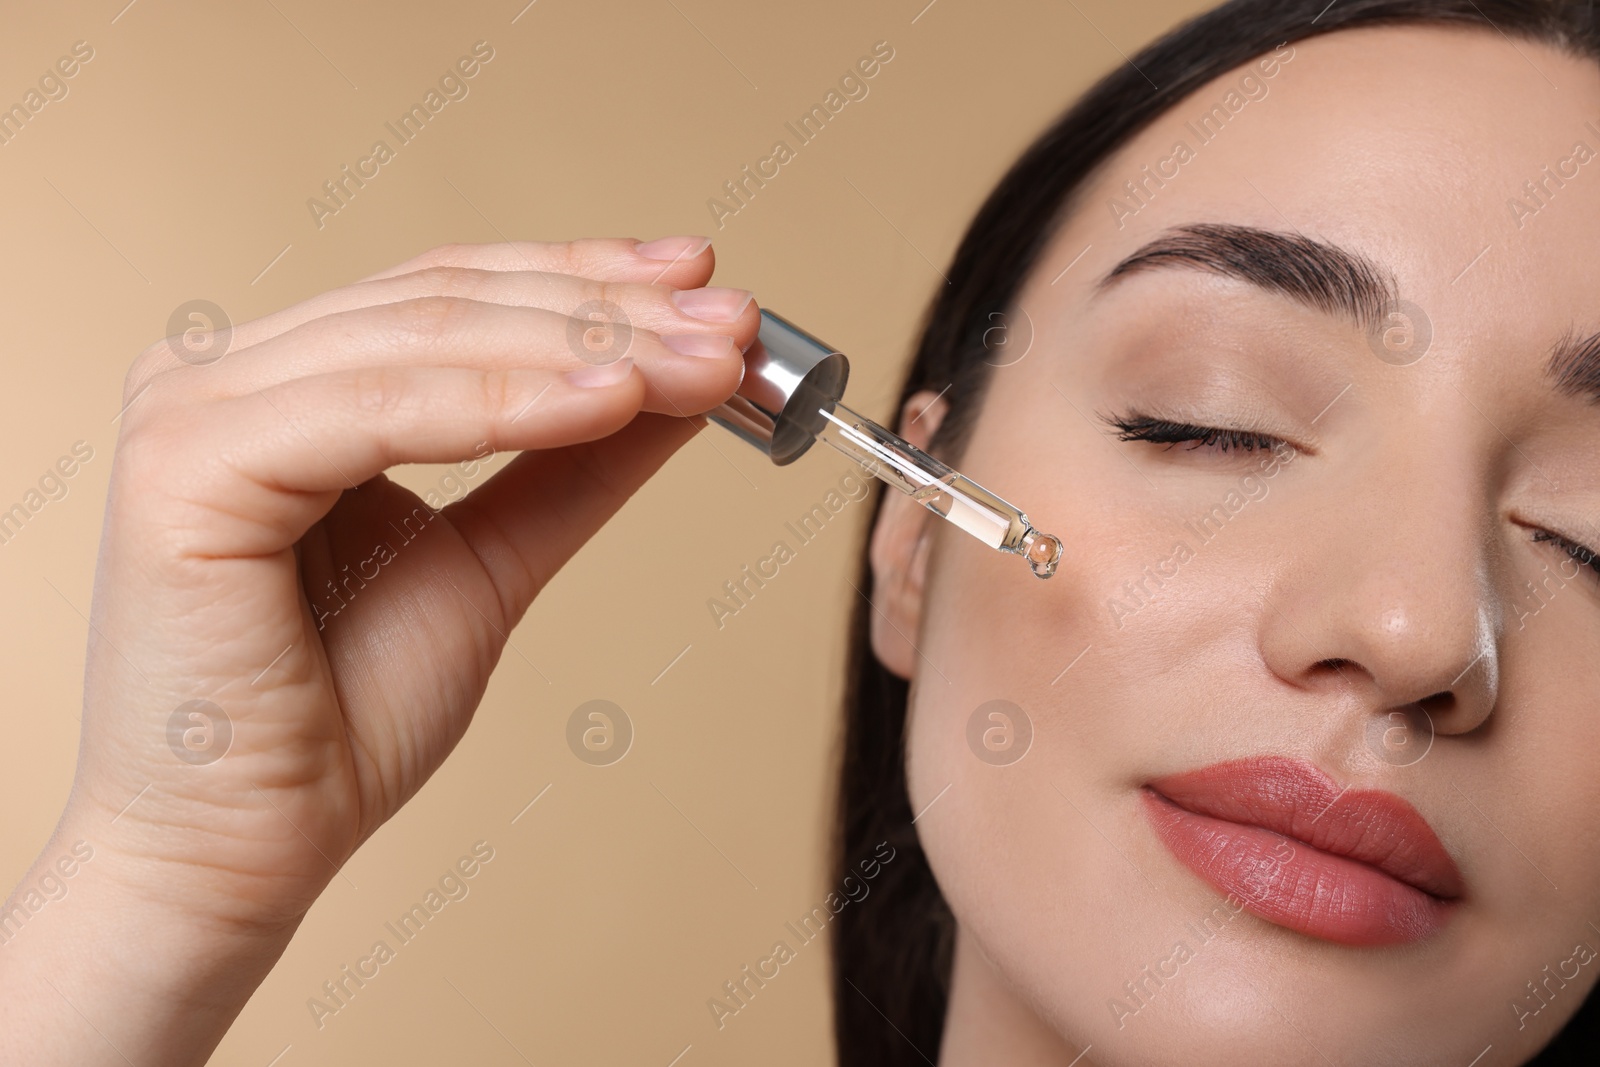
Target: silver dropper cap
789, 377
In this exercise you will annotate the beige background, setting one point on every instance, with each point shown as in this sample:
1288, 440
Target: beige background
179, 166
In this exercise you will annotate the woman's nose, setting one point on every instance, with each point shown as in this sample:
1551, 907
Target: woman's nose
1396, 599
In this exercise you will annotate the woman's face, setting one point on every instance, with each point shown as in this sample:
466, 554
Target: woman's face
1364, 617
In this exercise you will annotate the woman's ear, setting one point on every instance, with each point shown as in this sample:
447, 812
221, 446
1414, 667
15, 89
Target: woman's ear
899, 549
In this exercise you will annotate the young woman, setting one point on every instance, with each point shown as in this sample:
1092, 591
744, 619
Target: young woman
1291, 761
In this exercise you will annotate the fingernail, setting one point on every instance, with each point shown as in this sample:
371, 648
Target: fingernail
709, 345
712, 303
605, 374
672, 247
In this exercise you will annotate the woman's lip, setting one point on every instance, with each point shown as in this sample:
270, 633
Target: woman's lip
1359, 866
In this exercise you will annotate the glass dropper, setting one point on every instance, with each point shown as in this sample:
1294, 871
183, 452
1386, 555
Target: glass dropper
946, 492
789, 398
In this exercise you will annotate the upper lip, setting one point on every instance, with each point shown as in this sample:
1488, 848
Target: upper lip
1295, 798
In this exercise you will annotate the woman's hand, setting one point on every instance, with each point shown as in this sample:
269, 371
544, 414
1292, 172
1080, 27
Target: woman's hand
256, 558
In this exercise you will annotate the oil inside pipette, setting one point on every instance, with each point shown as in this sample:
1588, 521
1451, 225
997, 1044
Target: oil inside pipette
938, 487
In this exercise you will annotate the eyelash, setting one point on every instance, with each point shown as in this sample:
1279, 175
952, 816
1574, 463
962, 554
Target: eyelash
1581, 554
1136, 427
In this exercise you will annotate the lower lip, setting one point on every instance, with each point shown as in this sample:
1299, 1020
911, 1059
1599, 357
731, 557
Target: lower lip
1294, 885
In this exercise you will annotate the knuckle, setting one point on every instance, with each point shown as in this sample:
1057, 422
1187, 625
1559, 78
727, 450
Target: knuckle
146, 367
451, 254
452, 280
139, 372
609, 296
424, 320
145, 451
376, 392
498, 393
583, 258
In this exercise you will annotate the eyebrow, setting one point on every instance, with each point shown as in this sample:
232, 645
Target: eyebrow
1327, 278
1322, 276
1574, 366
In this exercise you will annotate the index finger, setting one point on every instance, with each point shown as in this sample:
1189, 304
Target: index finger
682, 262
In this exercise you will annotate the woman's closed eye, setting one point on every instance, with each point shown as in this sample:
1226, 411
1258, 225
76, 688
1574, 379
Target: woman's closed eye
1135, 426
1583, 555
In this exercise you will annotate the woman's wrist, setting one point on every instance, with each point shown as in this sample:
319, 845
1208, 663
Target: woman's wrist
110, 957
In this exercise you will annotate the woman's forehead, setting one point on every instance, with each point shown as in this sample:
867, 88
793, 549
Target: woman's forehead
1461, 164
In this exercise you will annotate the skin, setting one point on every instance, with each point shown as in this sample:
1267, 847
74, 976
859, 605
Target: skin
1397, 541
230, 509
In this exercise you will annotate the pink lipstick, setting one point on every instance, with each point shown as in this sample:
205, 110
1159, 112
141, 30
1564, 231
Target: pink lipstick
1355, 866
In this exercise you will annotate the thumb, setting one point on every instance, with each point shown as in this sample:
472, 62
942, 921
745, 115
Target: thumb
528, 520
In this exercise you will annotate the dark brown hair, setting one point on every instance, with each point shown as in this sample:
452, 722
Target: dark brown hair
892, 951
